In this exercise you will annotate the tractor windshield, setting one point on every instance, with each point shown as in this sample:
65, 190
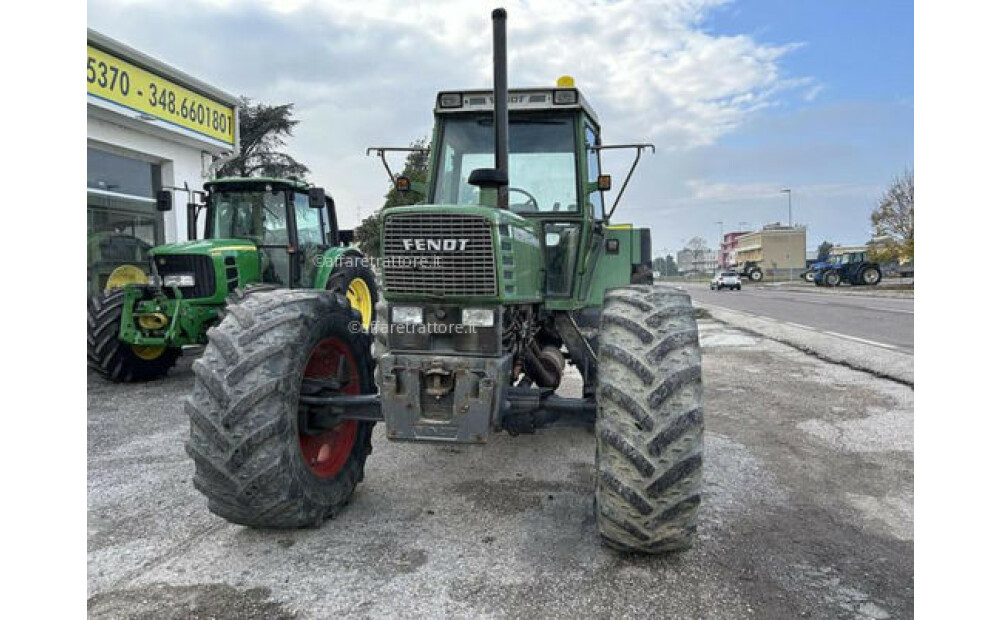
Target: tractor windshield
542, 161
258, 216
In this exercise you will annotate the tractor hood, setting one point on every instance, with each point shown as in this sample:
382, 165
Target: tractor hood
206, 247
460, 253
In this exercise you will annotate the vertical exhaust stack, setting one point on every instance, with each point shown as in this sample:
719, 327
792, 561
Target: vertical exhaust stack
500, 125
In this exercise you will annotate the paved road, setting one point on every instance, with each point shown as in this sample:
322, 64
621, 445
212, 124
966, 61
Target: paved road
807, 512
885, 321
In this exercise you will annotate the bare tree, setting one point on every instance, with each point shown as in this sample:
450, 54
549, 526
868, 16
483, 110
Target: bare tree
892, 221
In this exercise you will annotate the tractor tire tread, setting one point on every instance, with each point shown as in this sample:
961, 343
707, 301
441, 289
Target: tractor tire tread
243, 410
649, 434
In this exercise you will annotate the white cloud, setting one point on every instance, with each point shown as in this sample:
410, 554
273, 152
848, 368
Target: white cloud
364, 73
701, 190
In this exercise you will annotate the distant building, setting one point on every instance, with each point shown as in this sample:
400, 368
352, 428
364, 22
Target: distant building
775, 247
696, 261
727, 251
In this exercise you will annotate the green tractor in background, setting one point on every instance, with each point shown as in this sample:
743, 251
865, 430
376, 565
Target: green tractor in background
257, 232
509, 273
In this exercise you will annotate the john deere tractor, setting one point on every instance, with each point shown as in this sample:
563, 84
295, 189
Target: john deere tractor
511, 272
257, 232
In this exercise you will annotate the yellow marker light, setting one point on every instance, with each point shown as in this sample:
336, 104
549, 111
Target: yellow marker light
565, 81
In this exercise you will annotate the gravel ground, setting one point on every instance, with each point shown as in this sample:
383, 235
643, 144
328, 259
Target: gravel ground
808, 512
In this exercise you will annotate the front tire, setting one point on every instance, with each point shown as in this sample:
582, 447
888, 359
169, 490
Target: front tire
649, 420
116, 360
253, 461
831, 278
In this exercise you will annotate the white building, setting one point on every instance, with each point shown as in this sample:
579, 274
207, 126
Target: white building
149, 127
697, 261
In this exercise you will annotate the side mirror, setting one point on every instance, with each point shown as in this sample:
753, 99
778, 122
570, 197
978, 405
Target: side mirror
164, 200
345, 237
402, 184
488, 177
317, 197
604, 182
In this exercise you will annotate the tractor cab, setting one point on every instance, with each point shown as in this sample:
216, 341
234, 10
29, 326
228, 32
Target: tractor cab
286, 223
552, 167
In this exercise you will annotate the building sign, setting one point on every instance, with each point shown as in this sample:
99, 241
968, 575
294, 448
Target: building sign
118, 81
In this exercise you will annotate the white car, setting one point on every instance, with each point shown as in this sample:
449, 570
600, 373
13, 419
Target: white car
726, 279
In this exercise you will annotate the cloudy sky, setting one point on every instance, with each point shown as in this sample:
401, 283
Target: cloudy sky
741, 97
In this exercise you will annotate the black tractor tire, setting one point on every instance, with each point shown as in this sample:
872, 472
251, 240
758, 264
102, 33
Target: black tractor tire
870, 276
348, 269
649, 420
755, 274
110, 357
831, 278
739, 287
250, 460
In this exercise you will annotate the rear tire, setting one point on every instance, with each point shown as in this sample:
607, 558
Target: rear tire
250, 457
116, 360
870, 276
755, 274
649, 420
344, 280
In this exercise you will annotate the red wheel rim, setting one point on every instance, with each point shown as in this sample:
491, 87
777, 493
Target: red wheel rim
325, 454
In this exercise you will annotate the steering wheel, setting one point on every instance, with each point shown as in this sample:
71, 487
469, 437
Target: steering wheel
532, 203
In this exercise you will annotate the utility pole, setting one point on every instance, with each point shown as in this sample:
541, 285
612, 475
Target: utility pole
789, 192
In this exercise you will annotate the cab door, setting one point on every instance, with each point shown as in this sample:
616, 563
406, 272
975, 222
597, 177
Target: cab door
311, 234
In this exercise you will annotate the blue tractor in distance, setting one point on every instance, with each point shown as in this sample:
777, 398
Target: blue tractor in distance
850, 267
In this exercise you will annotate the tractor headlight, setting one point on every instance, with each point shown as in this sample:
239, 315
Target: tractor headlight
407, 315
179, 279
477, 317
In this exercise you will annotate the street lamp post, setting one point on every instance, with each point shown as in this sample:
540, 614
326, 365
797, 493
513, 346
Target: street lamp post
722, 242
789, 192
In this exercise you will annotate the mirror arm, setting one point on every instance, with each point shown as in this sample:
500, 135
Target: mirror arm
382, 150
639, 148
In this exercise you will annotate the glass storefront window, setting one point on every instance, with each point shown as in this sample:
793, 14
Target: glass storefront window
122, 221
109, 172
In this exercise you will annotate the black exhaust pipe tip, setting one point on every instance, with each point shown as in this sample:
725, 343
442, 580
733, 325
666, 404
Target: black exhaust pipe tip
500, 13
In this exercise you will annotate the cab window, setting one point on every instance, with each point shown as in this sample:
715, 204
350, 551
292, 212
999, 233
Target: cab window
309, 225
595, 198
542, 161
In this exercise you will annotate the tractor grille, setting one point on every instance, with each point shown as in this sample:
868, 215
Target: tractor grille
201, 266
420, 270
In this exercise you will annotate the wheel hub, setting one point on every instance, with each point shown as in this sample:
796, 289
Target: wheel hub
361, 299
148, 352
326, 454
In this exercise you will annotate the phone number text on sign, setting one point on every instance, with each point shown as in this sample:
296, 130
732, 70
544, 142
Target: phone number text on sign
121, 82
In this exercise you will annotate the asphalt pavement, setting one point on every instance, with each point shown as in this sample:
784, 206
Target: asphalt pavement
807, 513
844, 312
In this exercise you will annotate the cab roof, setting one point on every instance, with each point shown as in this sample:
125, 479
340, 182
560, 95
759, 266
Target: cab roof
541, 98
232, 182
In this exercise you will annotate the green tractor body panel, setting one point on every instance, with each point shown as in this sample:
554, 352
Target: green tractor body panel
328, 261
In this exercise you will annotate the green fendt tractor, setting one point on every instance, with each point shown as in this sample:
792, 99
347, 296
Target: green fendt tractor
510, 272
258, 232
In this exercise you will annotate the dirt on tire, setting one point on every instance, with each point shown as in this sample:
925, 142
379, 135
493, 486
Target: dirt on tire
244, 409
649, 421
